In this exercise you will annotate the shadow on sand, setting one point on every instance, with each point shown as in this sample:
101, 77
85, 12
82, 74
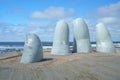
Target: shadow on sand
46, 59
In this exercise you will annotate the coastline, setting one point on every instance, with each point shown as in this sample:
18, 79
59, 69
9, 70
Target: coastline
6, 47
92, 66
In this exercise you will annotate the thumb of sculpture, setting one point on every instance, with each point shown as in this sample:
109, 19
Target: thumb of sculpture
103, 39
33, 51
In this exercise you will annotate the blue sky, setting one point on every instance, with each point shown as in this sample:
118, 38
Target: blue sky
20, 17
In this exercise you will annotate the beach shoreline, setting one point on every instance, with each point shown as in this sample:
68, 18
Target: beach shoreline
80, 66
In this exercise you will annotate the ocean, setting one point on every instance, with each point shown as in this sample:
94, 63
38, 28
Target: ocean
13, 46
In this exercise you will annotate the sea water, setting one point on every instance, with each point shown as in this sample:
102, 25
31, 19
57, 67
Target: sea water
6, 47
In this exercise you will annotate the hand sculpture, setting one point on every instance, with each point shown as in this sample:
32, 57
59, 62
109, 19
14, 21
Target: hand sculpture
81, 35
61, 39
33, 50
103, 39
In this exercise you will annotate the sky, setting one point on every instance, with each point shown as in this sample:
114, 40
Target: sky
20, 17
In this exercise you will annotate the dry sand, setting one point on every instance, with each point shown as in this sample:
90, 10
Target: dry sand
92, 66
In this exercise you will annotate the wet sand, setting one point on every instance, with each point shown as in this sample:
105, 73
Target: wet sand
91, 66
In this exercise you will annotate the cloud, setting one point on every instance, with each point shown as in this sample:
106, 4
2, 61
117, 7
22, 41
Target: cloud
52, 13
109, 15
34, 24
9, 31
18, 29
109, 20
34, 31
109, 10
3, 24
18, 10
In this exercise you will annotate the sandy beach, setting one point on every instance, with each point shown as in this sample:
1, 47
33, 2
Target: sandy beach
92, 66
